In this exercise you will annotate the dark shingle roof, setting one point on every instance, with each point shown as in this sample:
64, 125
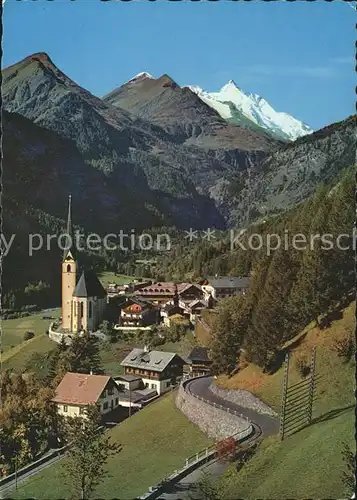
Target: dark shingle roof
229, 281
153, 360
89, 286
199, 354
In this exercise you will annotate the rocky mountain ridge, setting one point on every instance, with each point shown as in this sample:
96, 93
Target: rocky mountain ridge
152, 153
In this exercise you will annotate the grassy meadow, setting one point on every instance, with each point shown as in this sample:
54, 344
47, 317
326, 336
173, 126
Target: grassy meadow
149, 453
307, 464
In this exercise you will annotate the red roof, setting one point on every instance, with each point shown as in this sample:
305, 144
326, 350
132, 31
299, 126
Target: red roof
80, 388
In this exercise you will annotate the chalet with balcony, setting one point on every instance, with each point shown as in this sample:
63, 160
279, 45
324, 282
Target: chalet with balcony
159, 293
136, 312
199, 361
158, 370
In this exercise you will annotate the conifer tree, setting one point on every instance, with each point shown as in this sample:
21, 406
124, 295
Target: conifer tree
228, 330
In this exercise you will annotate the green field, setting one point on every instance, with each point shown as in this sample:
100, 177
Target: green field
107, 277
307, 464
155, 442
14, 329
18, 356
113, 354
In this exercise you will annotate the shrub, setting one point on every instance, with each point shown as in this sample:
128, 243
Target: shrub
28, 335
344, 347
302, 367
226, 449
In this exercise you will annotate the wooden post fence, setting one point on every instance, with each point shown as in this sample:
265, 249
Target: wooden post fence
297, 400
283, 396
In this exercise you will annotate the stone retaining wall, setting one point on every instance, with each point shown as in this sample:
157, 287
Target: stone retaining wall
215, 422
242, 398
56, 336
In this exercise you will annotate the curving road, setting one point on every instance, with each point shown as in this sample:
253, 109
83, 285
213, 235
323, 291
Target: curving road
186, 488
268, 424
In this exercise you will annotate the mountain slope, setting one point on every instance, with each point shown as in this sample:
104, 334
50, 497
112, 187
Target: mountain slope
137, 157
182, 113
168, 158
289, 175
252, 111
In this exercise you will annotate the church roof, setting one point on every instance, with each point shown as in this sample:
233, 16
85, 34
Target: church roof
89, 286
69, 255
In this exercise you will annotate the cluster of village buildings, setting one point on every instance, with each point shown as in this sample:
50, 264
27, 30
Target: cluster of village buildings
167, 302
147, 374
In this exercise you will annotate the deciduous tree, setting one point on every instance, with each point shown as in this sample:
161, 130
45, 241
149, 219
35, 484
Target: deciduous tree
88, 454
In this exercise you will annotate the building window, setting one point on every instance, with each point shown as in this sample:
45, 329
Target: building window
68, 268
65, 408
153, 386
116, 401
105, 406
111, 391
81, 410
90, 310
82, 309
168, 384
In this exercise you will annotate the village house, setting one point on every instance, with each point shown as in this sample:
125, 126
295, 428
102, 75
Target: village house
77, 391
113, 290
133, 392
195, 308
221, 287
174, 307
159, 293
136, 312
199, 361
158, 370
177, 319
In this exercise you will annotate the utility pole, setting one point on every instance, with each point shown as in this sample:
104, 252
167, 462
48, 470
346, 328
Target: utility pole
16, 472
129, 402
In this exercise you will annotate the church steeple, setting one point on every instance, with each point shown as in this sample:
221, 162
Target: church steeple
69, 216
69, 274
69, 231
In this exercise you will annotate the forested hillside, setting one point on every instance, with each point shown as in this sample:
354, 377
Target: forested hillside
290, 287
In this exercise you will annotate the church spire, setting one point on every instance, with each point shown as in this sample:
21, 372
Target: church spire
69, 232
69, 216
176, 299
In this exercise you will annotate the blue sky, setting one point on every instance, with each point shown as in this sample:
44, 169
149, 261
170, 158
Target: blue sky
299, 56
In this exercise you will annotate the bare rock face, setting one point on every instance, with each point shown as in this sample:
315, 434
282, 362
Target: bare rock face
242, 398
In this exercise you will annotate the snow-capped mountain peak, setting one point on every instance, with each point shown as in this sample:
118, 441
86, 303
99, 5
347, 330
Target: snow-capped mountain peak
140, 76
240, 108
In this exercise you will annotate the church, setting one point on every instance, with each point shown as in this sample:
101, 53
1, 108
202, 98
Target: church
83, 302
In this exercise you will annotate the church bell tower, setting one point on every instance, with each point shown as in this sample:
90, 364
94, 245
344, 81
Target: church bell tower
69, 275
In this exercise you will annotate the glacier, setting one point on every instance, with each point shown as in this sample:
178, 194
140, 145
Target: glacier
233, 104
